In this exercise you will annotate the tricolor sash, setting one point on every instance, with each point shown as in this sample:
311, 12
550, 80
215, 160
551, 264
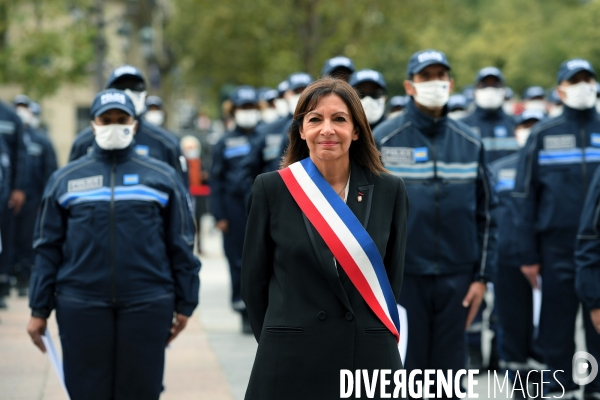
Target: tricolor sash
345, 236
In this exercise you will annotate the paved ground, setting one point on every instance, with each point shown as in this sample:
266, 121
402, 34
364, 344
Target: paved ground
210, 360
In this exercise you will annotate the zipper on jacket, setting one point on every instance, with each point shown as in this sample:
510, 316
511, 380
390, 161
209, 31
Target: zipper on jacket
113, 282
436, 228
583, 162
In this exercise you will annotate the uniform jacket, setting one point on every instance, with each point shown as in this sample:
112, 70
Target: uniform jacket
229, 170
114, 226
151, 140
496, 130
587, 255
265, 155
309, 321
41, 163
11, 129
553, 175
451, 228
5, 175
504, 171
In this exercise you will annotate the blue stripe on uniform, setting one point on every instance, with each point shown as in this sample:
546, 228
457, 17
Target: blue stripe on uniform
237, 151
134, 193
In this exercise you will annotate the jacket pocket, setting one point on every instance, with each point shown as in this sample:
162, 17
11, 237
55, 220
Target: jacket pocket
377, 330
283, 329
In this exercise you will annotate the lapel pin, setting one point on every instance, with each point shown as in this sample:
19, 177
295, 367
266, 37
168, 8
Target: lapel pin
360, 195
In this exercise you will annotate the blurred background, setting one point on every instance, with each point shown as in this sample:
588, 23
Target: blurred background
60, 52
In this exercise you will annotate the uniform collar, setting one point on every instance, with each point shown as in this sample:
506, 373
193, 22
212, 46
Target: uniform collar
571, 113
120, 154
426, 123
489, 114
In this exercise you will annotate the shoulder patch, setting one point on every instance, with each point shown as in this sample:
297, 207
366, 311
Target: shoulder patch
500, 131
92, 182
595, 139
142, 150
555, 142
421, 154
5, 160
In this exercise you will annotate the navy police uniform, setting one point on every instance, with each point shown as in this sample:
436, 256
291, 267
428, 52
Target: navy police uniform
443, 165
12, 132
114, 257
553, 178
41, 164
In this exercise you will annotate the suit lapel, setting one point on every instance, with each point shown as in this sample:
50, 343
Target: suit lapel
359, 186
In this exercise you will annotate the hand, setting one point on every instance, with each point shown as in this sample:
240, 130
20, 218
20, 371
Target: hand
36, 328
473, 300
531, 272
16, 200
595, 315
222, 225
179, 322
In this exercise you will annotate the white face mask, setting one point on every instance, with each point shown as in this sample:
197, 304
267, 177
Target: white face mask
282, 107
35, 122
580, 96
521, 135
114, 136
247, 119
490, 98
269, 115
555, 111
293, 102
191, 154
394, 114
155, 117
138, 99
374, 108
536, 105
458, 114
25, 114
432, 94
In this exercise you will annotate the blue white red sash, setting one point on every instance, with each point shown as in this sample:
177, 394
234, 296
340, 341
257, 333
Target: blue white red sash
345, 236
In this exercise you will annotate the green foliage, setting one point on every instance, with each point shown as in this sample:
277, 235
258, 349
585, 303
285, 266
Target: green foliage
260, 42
42, 46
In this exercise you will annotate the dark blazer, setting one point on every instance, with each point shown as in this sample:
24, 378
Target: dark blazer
308, 321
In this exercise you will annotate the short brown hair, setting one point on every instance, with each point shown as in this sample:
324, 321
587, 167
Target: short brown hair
362, 150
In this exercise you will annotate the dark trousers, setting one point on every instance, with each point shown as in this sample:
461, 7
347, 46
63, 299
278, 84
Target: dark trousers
114, 351
7, 226
233, 242
23, 253
436, 320
514, 304
557, 319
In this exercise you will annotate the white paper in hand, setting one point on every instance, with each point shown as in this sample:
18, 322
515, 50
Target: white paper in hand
54, 358
537, 305
402, 346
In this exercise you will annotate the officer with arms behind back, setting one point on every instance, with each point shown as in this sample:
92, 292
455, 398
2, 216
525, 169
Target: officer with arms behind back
371, 89
114, 252
495, 128
553, 176
151, 140
443, 165
229, 188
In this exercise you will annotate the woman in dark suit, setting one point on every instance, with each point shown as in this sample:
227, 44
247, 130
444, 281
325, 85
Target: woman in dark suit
309, 318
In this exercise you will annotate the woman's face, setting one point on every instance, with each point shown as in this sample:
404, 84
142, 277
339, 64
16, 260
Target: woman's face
329, 129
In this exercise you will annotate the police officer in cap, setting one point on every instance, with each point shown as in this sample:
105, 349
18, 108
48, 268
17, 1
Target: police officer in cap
271, 139
457, 106
339, 67
41, 164
155, 113
553, 177
114, 257
229, 187
14, 163
372, 90
397, 105
443, 165
513, 301
151, 140
281, 105
268, 111
534, 98
495, 128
